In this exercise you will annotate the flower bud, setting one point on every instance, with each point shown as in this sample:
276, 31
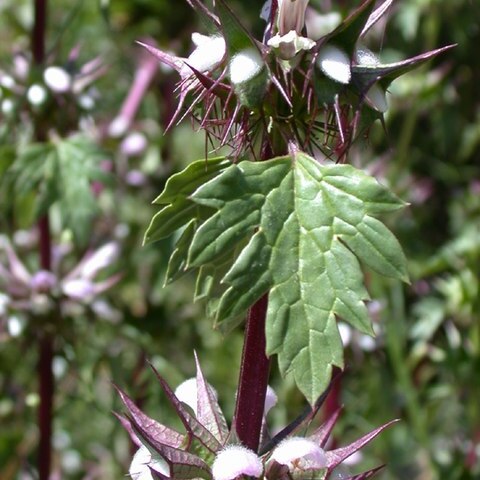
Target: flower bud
335, 64
235, 461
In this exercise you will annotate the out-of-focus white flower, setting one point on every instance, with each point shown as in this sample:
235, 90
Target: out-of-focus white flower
36, 95
135, 178
43, 281
7, 106
15, 326
79, 289
57, 79
4, 302
291, 16
134, 144
335, 64
7, 81
245, 65
118, 127
298, 452
98, 260
142, 463
86, 101
345, 332
234, 461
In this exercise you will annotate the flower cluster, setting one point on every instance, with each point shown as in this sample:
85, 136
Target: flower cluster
42, 292
209, 450
66, 88
288, 88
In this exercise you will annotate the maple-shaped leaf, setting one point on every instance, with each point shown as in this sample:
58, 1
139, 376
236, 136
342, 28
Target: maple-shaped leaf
308, 226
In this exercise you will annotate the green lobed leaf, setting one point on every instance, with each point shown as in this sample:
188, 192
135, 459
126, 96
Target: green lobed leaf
178, 209
309, 225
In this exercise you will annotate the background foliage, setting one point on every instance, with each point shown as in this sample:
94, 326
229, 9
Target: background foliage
423, 366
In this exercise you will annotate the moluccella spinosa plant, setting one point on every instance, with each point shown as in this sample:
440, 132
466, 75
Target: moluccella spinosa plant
274, 232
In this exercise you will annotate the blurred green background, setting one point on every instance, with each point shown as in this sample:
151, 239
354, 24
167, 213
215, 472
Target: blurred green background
424, 365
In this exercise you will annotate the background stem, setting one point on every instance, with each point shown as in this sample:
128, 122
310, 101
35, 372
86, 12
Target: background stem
252, 385
46, 339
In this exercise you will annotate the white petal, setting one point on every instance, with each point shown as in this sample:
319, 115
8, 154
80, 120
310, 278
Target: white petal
234, 461
335, 64
245, 65
100, 259
79, 289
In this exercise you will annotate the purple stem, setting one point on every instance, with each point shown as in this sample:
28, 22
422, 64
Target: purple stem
253, 380
46, 340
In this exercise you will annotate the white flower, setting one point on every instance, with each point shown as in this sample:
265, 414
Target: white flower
57, 79
290, 44
119, 126
234, 461
245, 65
79, 289
142, 462
298, 452
291, 15
134, 144
335, 64
98, 260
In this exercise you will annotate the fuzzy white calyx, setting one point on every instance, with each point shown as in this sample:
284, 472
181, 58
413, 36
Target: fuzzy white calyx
234, 461
299, 452
208, 55
335, 64
245, 65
